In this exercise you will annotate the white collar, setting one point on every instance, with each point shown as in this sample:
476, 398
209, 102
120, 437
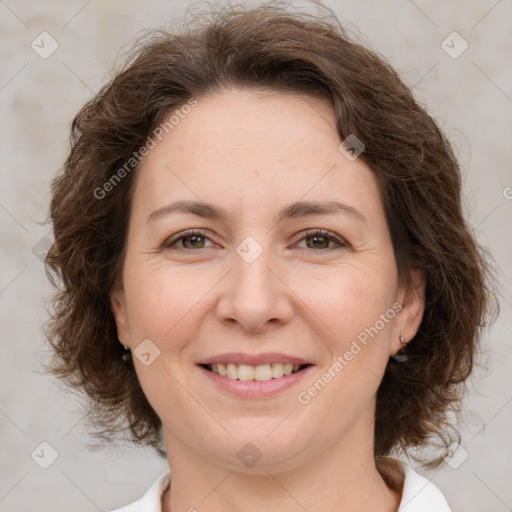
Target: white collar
420, 494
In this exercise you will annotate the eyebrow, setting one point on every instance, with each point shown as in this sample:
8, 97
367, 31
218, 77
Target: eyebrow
292, 211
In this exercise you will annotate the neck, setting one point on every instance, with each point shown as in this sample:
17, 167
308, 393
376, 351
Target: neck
340, 479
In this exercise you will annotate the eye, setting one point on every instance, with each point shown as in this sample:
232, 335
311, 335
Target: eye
191, 239
195, 239
321, 239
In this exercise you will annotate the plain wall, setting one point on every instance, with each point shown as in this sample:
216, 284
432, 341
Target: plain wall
470, 95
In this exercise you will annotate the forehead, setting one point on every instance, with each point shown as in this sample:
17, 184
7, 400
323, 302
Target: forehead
249, 147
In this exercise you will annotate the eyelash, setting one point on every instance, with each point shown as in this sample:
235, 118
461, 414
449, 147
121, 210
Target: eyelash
308, 234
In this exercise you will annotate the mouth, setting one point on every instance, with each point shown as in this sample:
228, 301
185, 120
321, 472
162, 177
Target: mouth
254, 376
260, 373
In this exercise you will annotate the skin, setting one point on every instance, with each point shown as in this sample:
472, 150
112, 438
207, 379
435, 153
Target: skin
252, 152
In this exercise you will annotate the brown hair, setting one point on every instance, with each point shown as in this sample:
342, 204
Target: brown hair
271, 47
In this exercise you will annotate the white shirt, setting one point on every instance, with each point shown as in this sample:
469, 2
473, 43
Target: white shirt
418, 495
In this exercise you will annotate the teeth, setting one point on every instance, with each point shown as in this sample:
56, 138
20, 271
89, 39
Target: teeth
247, 372
277, 371
232, 371
263, 372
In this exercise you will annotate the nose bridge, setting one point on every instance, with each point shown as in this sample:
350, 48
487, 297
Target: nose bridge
254, 295
253, 281
252, 272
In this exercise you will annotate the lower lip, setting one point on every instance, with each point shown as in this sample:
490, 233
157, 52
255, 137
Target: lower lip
255, 388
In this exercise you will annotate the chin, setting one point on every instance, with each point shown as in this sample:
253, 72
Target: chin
261, 447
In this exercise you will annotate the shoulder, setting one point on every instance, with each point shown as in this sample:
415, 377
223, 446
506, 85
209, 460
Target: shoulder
151, 501
419, 494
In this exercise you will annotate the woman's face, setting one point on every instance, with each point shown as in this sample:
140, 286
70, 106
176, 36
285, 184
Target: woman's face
255, 289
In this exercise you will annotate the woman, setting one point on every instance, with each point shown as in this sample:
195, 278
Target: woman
264, 266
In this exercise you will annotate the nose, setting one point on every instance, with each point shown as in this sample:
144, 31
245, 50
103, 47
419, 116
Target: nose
255, 296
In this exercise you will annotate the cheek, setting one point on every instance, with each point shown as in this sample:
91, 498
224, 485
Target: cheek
161, 297
355, 306
357, 316
351, 298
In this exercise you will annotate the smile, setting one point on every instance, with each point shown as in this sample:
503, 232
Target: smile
246, 372
263, 379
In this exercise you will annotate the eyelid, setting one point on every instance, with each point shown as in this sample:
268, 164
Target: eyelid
185, 234
340, 242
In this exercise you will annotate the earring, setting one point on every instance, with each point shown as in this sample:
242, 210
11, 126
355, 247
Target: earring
126, 356
400, 356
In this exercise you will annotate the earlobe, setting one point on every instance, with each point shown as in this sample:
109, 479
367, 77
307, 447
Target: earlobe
118, 307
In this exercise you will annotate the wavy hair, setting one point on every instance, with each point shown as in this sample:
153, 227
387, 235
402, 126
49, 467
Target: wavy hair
272, 47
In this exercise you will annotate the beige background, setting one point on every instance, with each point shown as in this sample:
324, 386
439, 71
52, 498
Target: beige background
470, 95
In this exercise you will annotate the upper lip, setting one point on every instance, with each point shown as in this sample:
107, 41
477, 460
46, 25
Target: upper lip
254, 359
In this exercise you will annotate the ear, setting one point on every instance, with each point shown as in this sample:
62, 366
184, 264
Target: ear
119, 310
412, 299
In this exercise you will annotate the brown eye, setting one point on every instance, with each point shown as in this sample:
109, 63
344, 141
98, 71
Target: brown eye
318, 242
188, 240
195, 241
319, 239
